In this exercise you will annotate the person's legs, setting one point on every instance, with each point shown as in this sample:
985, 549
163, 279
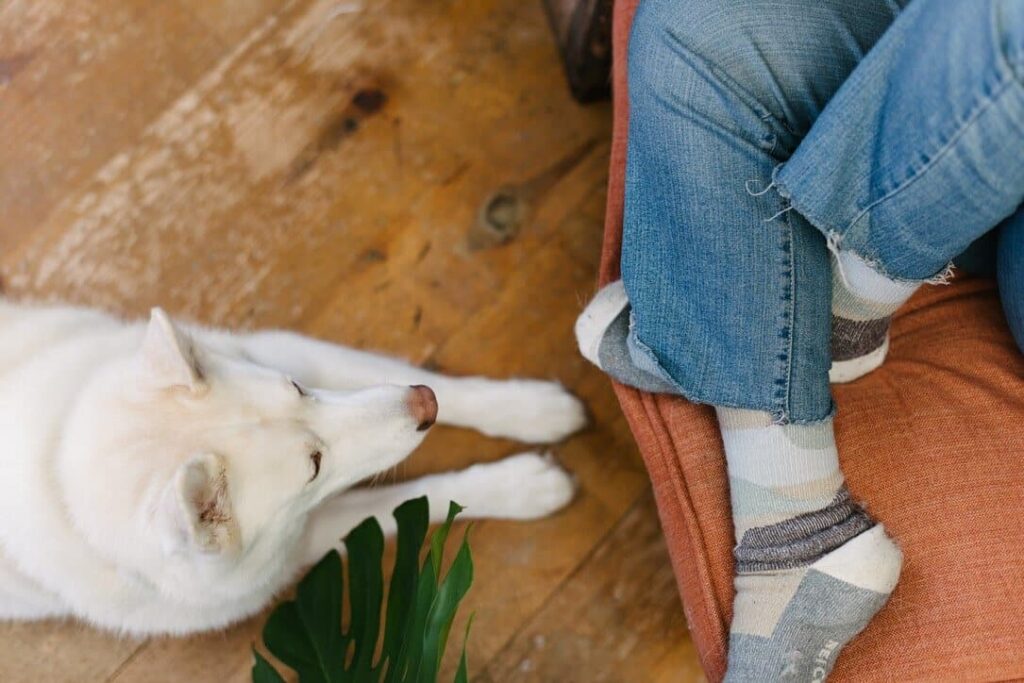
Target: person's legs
916, 156
812, 568
899, 195
729, 311
728, 304
731, 302
723, 95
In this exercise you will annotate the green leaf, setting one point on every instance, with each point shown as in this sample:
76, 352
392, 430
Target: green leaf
263, 671
319, 604
462, 675
440, 536
426, 592
365, 545
412, 648
307, 634
286, 637
412, 517
442, 612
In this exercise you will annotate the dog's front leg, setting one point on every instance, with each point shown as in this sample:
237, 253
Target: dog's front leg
526, 410
524, 486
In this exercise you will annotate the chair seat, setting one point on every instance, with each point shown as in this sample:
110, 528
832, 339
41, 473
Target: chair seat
933, 442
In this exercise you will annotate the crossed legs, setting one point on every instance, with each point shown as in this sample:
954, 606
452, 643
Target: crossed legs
795, 170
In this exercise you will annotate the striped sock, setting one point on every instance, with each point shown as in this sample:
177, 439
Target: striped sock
812, 568
863, 300
602, 334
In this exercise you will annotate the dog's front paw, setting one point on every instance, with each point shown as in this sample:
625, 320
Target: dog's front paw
523, 486
526, 410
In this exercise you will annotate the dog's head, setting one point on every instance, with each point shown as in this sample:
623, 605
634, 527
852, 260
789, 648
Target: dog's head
185, 462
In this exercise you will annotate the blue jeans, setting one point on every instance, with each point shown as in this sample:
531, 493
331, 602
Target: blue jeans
759, 128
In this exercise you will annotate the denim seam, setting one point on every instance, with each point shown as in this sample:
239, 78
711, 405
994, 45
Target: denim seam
836, 235
777, 418
781, 398
1015, 67
988, 102
771, 136
789, 295
833, 241
814, 420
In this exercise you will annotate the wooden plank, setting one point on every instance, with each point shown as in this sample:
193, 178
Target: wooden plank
617, 618
59, 653
78, 81
270, 163
232, 20
329, 173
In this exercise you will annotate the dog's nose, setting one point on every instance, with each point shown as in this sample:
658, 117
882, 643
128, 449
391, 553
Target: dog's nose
423, 405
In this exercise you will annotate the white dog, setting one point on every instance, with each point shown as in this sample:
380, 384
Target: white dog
156, 479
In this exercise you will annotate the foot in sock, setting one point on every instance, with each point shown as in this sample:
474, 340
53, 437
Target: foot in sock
791, 625
863, 300
812, 568
602, 333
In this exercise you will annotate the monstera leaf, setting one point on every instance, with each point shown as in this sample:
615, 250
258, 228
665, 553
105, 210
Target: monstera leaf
307, 633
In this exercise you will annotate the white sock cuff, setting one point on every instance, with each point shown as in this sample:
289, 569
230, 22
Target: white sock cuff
866, 282
602, 310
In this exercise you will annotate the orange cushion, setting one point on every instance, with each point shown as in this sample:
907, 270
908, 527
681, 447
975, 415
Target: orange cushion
933, 442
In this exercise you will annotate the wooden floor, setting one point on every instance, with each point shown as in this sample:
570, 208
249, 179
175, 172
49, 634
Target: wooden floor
403, 175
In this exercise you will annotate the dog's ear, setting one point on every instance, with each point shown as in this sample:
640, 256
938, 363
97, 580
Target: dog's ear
196, 512
167, 357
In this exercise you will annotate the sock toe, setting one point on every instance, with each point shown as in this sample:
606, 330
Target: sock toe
834, 599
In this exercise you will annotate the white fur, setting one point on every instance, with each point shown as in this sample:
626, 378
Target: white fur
157, 479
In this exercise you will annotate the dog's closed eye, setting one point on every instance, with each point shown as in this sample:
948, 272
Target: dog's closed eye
315, 458
298, 388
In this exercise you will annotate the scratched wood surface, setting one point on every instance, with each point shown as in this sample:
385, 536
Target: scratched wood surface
404, 175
